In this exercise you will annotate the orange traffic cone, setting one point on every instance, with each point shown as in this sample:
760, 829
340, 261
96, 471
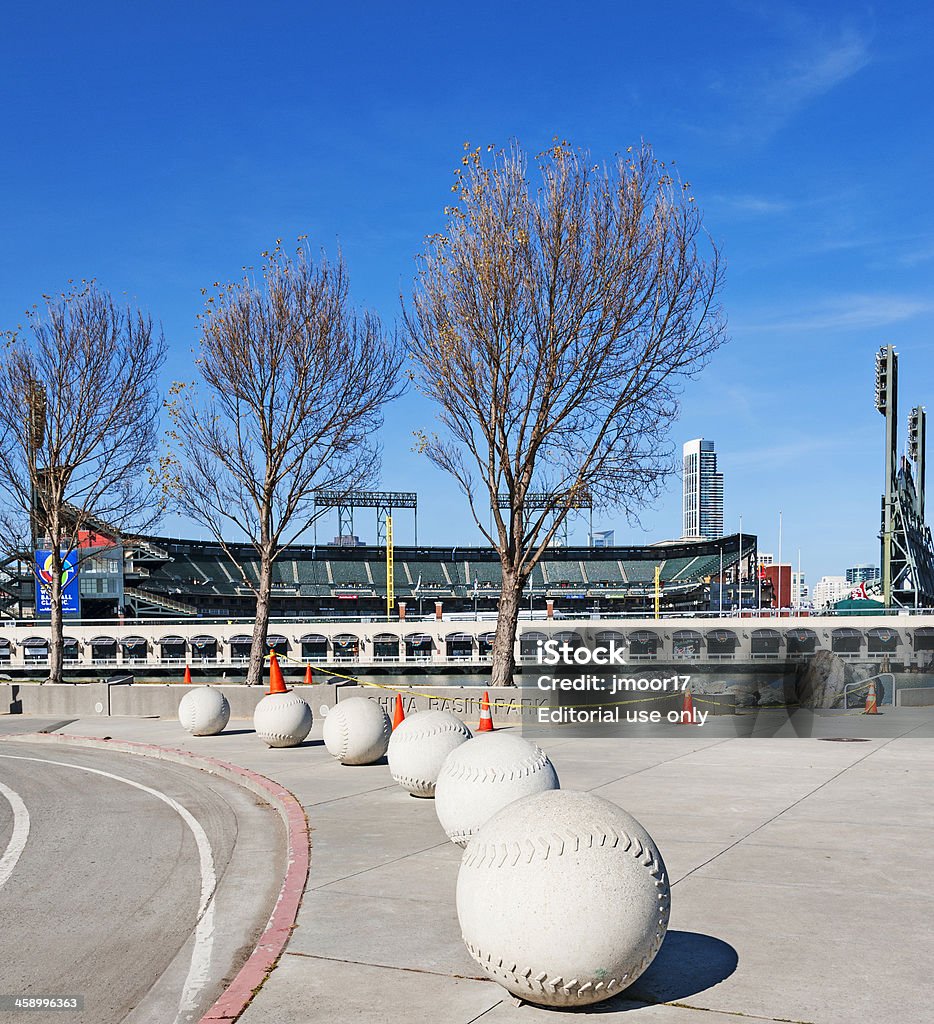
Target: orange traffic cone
486, 719
687, 708
309, 681
399, 714
276, 682
187, 679
871, 708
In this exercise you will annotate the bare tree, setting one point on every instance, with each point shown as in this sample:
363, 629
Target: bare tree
553, 327
295, 383
78, 426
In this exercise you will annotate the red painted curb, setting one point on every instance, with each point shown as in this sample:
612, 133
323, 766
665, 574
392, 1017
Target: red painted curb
238, 994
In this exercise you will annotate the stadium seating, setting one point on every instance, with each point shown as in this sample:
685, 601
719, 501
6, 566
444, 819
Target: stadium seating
431, 574
200, 578
673, 568
457, 572
603, 570
537, 579
346, 573
565, 571
485, 573
378, 573
282, 572
639, 572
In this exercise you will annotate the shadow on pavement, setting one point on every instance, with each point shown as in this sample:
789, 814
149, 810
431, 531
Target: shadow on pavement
687, 963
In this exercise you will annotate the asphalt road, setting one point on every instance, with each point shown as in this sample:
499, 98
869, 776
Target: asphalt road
137, 885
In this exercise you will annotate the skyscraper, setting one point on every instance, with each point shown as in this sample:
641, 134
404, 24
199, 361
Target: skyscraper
702, 501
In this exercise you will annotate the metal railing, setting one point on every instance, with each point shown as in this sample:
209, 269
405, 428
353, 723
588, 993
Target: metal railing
864, 684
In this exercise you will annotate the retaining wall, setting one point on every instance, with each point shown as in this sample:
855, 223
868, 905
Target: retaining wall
508, 705
147, 700
160, 700
915, 697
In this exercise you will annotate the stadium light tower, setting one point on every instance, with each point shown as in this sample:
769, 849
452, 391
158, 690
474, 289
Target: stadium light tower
383, 501
887, 405
917, 438
907, 543
555, 503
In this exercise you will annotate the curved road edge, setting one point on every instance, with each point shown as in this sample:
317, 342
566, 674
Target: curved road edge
239, 993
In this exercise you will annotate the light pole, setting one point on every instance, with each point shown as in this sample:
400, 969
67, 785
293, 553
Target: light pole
721, 578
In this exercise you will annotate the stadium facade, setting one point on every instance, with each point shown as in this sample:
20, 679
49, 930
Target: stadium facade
161, 577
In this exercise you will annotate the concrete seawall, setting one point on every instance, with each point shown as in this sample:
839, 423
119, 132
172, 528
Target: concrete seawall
89, 700
507, 705
160, 700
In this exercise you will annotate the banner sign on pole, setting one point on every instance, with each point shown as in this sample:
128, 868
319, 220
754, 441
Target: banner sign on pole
71, 601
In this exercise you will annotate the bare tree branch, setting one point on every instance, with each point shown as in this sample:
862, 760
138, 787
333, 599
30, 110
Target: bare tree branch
554, 326
294, 385
78, 426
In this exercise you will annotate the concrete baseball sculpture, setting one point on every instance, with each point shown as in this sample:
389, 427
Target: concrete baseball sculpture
484, 775
357, 731
418, 747
563, 898
282, 719
204, 711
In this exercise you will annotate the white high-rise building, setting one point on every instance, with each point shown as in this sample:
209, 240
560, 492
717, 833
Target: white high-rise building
830, 589
702, 494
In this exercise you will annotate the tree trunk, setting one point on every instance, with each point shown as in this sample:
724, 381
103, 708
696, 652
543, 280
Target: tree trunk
261, 626
56, 630
504, 643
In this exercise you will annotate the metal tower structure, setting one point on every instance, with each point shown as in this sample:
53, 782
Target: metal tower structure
887, 405
907, 548
383, 501
557, 504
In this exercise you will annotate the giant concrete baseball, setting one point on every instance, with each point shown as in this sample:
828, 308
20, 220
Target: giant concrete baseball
204, 711
357, 731
419, 746
483, 775
563, 898
282, 719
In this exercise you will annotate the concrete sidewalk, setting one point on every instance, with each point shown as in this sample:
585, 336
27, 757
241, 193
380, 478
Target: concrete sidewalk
800, 873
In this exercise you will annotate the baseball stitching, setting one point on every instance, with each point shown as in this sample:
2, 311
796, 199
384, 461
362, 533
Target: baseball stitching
345, 733
434, 731
411, 783
535, 762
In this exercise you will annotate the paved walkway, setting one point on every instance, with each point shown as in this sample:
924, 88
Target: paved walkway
801, 879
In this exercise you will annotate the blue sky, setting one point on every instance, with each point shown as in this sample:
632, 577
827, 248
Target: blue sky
159, 148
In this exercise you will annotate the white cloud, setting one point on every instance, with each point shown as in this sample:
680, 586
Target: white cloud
842, 312
795, 452
752, 204
813, 63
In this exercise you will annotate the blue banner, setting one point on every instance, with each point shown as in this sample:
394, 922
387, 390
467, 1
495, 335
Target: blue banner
71, 601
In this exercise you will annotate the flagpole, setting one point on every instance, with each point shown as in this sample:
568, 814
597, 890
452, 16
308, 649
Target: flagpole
721, 577
779, 564
798, 592
739, 570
